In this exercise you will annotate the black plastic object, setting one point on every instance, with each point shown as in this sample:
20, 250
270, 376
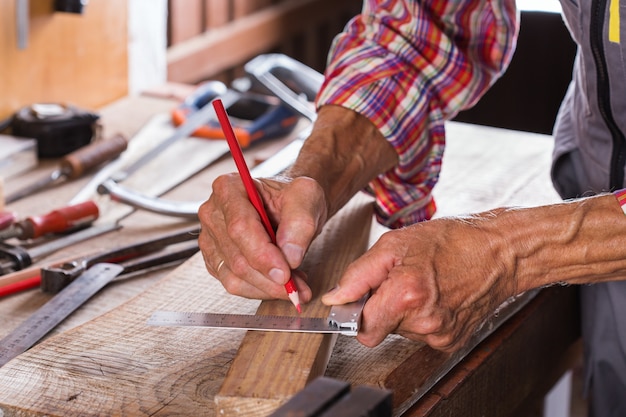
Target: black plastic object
59, 129
70, 6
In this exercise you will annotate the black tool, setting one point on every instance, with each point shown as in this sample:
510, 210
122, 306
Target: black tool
328, 397
135, 257
58, 128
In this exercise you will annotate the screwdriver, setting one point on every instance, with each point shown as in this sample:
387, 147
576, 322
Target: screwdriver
75, 164
60, 220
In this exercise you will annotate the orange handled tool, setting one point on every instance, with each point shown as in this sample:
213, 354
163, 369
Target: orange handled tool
57, 221
76, 164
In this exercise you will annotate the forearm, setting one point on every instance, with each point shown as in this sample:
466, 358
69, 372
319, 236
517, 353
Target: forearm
407, 66
343, 154
577, 242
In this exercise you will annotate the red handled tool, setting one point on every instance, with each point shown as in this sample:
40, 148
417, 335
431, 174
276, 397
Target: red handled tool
57, 221
253, 193
256, 116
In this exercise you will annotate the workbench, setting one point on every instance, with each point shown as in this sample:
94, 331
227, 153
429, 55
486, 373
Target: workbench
508, 372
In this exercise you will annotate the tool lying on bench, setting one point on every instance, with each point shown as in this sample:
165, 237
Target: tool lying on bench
60, 220
138, 257
79, 280
15, 258
75, 164
256, 117
328, 397
292, 82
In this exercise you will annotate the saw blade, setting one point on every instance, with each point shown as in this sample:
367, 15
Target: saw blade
56, 310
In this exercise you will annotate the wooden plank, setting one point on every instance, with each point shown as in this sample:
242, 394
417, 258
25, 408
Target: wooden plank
217, 13
185, 20
116, 364
69, 58
246, 7
269, 367
237, 42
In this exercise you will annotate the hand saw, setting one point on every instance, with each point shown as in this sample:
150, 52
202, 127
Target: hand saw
135, 158
343, 319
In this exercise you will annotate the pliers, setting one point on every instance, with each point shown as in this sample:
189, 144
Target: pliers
136, 258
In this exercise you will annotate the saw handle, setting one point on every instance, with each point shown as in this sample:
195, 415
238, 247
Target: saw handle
78, 162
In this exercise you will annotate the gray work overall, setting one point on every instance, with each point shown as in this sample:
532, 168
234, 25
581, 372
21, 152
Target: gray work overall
589, 157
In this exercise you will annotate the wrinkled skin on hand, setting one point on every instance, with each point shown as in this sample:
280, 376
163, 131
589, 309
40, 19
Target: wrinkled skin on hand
342, 155
232, 232
434, 282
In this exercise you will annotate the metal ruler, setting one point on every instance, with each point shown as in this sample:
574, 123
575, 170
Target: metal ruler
343, 319
56, 310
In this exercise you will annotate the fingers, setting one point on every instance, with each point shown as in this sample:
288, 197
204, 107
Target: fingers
232, 232
412, 294
363, 275
302, 215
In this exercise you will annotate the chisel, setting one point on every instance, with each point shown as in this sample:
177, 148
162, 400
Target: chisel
76, 164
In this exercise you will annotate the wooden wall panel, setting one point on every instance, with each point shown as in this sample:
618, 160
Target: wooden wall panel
78, 59
186, 19
237, 30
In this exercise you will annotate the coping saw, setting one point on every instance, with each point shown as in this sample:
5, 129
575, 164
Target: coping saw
292, 82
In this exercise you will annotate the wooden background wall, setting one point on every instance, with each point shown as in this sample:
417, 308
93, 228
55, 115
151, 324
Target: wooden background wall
212, 38
80, 59
83, 59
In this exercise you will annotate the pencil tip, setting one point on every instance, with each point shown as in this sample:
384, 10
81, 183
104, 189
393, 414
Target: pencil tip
295, 300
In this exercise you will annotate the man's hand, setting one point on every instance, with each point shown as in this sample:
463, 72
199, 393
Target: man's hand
343, 153
238, 251
434, 282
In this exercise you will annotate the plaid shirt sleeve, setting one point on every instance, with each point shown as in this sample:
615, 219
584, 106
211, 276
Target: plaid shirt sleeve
409, 65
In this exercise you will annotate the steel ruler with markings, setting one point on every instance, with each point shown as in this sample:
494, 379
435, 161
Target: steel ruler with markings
343, 319
56, 310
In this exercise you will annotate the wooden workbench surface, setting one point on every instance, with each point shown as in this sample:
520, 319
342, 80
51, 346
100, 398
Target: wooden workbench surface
483, 168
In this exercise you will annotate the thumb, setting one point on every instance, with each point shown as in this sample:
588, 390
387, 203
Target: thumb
362, 276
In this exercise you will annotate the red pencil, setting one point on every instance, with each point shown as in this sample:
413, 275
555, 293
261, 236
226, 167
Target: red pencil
253, 193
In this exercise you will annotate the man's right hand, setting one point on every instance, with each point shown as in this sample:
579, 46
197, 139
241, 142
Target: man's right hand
341, 156
238, 251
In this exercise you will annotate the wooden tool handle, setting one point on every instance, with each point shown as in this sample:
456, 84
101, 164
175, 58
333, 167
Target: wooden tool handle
77, 163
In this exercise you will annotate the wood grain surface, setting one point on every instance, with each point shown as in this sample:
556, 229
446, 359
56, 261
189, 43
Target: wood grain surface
104, 360
70, 58
116, 364
270, 367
